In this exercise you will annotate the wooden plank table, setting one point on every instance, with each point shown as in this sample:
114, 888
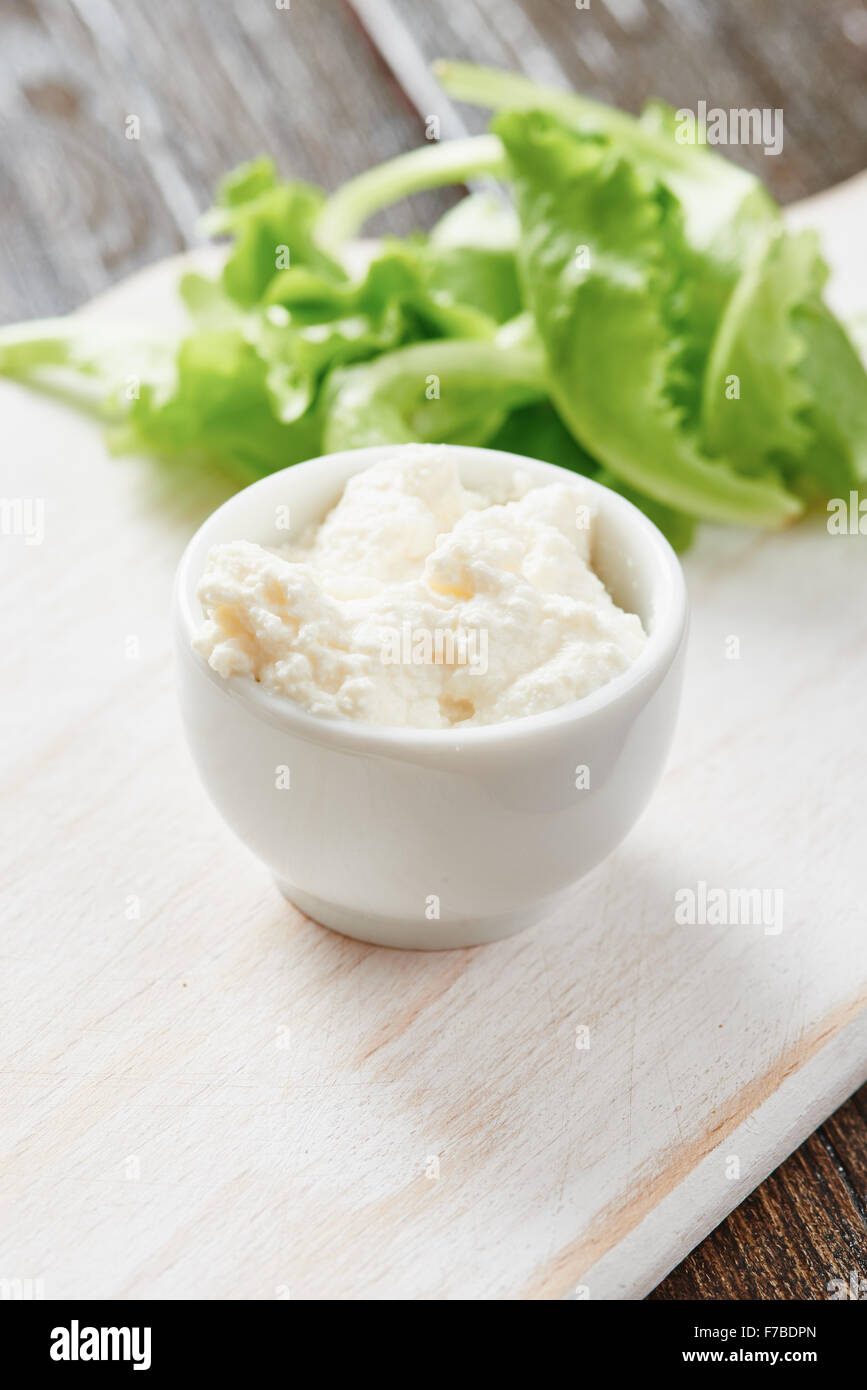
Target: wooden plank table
80, 206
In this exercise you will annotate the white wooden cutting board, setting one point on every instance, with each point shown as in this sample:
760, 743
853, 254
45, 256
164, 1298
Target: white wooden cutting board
205, 1094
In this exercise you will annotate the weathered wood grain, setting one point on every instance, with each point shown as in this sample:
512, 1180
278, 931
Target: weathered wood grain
804, 1227
807, 59
211, 85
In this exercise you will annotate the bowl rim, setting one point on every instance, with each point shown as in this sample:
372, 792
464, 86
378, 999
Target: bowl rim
663, 641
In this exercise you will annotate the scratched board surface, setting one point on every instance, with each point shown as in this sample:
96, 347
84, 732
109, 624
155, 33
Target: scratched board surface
207, 1093
178, 1043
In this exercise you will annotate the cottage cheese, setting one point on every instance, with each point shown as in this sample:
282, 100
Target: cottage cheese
418, 603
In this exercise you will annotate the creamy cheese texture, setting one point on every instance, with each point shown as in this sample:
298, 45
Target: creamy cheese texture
419, 603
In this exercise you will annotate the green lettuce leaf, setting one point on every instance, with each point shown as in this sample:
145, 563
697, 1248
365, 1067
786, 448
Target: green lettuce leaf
452, 391
784, 383
603, 287
219, 407
271, 223
598, 324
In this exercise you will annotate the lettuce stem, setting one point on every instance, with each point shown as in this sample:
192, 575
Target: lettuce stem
384, 401
500, 90
452, 161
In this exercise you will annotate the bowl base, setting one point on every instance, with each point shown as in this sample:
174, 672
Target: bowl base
412, 934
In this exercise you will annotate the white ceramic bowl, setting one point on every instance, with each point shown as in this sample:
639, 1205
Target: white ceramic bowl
381, 827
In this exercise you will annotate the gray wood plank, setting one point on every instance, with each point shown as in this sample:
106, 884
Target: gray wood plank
215, 84
810, 60
212, 85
